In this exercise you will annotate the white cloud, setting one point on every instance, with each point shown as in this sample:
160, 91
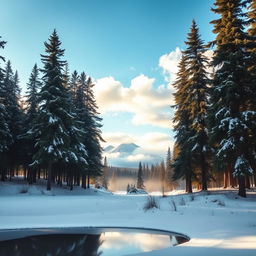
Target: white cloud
148, 104
117, 138
209, 55
169, 63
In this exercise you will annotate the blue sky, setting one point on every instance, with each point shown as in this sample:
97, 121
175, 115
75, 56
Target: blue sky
116, 42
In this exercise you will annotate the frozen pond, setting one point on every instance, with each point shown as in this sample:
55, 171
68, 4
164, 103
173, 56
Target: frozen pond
86, 241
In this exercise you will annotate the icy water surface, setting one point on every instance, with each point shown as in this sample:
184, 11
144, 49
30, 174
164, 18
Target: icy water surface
85, 241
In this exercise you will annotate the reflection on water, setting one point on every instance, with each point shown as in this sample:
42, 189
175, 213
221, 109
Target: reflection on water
52, 245
95, 244
116, 243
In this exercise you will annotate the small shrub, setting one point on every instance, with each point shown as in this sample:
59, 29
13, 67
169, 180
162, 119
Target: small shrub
151, 203
24, 190
192, 198
220, 203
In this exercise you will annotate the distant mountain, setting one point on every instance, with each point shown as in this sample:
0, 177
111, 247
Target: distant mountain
109, 148
129, 155
127, 148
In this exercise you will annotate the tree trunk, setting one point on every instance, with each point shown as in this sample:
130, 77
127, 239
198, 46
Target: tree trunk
188, 183
3, 175
231, 178
49, 176
225, 179
88, 181
84, 181
247, 182
242, 189
204, 172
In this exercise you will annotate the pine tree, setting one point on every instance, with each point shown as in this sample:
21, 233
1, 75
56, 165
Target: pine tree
33, 87
14, 115
86, 110
169, 169
196, 101
230, 119
163, 176
182, 165
54, 127
140, 182
105, 173
5, 134
16, 82
66, 76
251, 64
73, 85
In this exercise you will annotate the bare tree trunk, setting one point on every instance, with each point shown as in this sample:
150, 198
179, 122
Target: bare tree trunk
83, 181
49, 176
188, 183
204, 172
242, 189
247, 182
231, 178
225, 179
88, 181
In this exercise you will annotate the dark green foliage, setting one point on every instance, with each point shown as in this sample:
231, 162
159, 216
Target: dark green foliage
55, 131
59, 133
5, 135
196, 101
182, 165
140, 182
191, 108
10, 100
231, 118
31, 111
86, 110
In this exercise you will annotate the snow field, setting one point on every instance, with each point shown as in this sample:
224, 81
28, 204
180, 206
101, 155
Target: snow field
218, 223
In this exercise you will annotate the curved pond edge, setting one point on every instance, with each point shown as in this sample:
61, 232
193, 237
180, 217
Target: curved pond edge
9, 234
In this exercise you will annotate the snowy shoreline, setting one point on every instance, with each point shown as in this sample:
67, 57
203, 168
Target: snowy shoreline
218, 224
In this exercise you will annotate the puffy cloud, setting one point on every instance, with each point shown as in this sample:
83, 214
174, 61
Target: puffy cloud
148, 104
169, 63
117, 138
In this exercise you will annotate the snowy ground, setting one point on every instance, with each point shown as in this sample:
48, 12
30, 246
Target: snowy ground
218, 223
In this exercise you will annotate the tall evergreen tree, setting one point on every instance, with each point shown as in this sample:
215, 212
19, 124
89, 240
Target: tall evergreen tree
5, 134
14, 114
230, 119
66, 76
196, 101
88, 115
182, 165
251, 64
33, 87
54, 127
16, 82
169, 169
140, 182
105, 173
73, 86
31, 110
